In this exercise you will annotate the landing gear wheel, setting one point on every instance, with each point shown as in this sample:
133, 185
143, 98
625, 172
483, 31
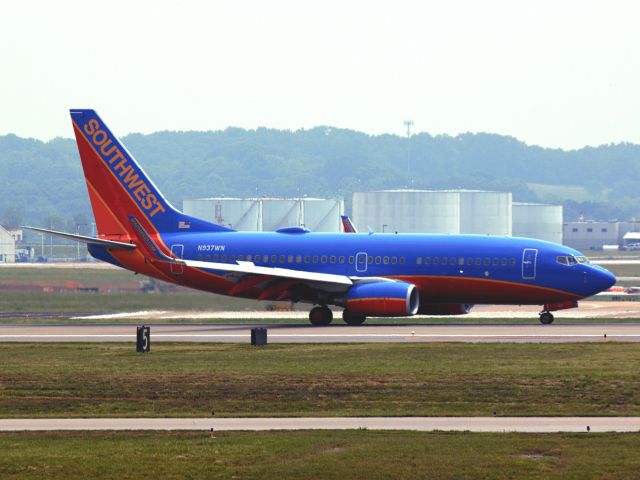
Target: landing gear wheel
320, 315
546, 318
352, 318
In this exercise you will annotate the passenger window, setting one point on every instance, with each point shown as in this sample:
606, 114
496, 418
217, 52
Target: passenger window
495, 262
512, 262
199, 257
290, 258
436, 260
402, 259
307, 259
298, 258
461, 261
249, 258
207, 257
360, 259
370, 260
215, 258
265, 259
223, 258
274, 258
478, 261
240, 258
427, 261
332, 259
315, 259
281, 258
452, 261
418, 260
394, 260
503, 262
232, 258
378, 260
485, 262
469, 261
444, 260
340, 259
351, 259
323, 259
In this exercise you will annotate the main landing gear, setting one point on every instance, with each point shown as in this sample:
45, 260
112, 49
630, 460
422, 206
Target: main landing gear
352, 318
321, 315
546, 318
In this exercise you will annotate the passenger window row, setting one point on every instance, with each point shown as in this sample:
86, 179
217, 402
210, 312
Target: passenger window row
469, 261
299, 259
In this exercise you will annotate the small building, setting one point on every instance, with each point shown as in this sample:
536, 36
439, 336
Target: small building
8, 244
592, 235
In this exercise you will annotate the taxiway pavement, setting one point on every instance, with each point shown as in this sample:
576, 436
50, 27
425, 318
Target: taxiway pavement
472, 424
304, 333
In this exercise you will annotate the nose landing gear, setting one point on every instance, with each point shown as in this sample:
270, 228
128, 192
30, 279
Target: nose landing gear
546, 318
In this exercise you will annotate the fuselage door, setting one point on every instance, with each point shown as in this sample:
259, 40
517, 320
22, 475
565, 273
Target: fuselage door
529, 258
361, 262
177, 250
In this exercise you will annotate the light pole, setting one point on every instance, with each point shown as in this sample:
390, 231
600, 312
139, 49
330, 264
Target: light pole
409, 124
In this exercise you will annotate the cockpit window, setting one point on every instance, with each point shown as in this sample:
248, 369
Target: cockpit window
570, 260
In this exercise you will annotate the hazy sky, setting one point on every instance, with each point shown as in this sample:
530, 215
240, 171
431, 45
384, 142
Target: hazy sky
554, 73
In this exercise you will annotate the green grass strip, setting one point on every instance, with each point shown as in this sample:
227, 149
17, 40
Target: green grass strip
439, 379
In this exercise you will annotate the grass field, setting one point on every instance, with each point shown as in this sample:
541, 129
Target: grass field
98, 380
352, 454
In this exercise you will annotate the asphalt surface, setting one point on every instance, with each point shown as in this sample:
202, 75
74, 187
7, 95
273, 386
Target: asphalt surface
305, 333
473, 424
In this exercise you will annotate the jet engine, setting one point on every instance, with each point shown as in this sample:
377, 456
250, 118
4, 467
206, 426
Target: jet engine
383, 299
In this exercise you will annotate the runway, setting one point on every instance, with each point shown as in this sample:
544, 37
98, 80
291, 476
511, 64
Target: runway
304, 333
425, 424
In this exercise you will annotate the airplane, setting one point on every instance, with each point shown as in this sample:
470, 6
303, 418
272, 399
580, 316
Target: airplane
366, 274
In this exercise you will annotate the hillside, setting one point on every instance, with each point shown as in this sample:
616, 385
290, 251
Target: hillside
42, 182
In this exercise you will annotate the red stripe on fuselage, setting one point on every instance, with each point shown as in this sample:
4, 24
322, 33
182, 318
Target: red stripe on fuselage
447, 289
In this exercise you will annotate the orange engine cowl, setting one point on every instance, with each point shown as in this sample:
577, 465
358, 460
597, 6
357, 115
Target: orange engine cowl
445, 309
383, 299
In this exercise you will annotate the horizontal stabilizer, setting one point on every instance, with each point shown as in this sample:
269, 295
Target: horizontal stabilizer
85, 239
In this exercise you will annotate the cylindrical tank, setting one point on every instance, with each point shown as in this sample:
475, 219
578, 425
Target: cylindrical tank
407, 211
268, 214
485, 213
236, 213
322, 215
537, 220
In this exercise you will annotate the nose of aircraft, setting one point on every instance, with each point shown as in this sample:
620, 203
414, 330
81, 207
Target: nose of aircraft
603, 279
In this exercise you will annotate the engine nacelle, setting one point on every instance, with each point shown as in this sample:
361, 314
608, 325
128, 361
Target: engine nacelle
383, 299
445, 309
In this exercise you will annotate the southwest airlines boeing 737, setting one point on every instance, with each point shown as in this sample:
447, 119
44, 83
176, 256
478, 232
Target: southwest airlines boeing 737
366, 274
